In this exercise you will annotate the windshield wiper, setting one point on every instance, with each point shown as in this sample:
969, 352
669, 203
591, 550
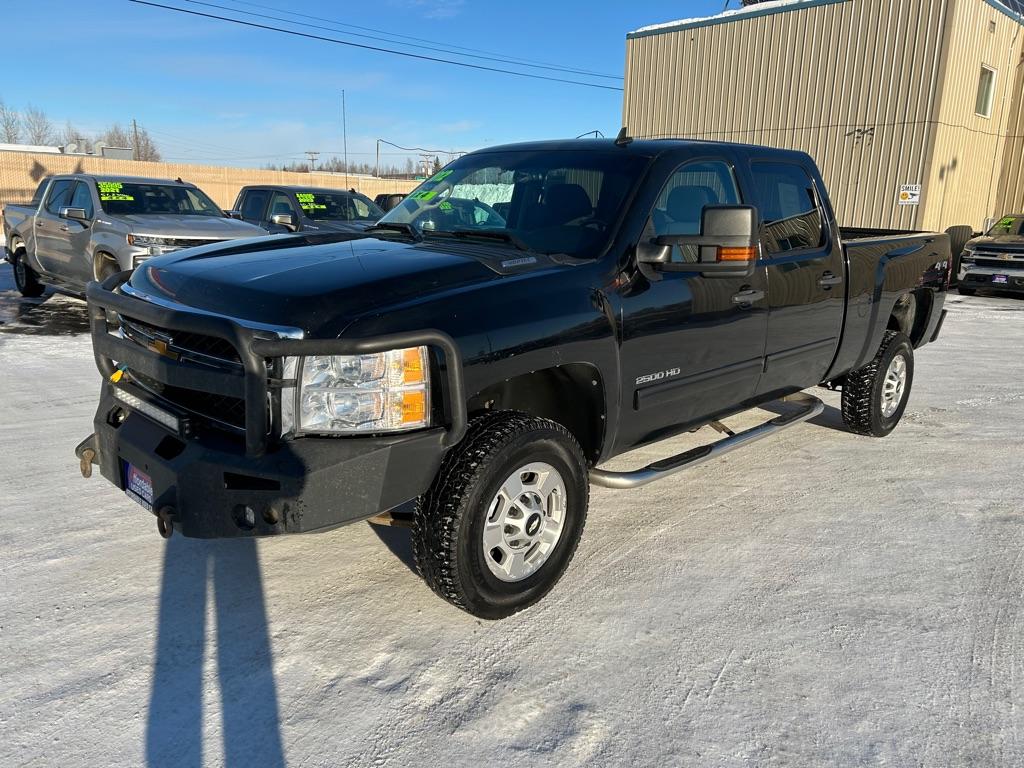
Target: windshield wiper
398, 226
492, 234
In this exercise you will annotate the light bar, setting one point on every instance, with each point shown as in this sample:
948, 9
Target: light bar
159, 415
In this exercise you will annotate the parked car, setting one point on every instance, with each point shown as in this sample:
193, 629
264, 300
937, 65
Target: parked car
388, 200
305, 209
996, 259
637, 290
84, 227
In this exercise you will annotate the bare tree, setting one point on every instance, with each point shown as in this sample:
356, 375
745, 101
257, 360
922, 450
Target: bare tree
146, 149
38, 128
10, 125
115, 136
71, 135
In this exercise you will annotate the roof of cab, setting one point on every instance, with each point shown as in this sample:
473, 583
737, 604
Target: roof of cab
122, 179
642, 147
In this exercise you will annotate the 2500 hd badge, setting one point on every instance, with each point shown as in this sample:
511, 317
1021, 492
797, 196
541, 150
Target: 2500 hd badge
470, 366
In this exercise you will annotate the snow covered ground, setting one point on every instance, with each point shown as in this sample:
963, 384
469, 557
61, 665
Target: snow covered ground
820, 599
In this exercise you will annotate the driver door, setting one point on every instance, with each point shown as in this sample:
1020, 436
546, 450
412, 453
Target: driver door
692, 346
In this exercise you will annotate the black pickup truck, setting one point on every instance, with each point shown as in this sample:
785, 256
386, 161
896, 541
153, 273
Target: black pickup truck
284, 208
633, 291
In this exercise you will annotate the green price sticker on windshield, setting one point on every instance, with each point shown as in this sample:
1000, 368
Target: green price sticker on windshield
111, 190
445, 206
440, 176
424, 195
307, 202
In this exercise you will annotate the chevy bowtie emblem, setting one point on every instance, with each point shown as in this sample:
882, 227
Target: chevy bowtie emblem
160, 347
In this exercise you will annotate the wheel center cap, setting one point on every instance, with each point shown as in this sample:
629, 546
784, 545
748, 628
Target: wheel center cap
533, 524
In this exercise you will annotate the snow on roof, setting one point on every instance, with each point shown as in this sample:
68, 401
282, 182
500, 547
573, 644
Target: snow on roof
759, 9
1012, 8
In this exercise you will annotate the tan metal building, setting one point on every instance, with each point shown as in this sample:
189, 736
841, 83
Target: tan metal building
887, 95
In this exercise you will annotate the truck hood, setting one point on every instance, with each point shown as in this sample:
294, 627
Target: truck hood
171, 225
320, 283
340, 226
1010, 242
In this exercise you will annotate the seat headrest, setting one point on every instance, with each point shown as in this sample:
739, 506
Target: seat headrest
566, 202
686, 203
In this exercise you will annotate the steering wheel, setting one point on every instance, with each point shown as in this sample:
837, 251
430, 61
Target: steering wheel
592, 222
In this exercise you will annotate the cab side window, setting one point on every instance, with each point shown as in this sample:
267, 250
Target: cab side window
281, 203
790, 212
681, 203
253, 203
60, 195
82, 198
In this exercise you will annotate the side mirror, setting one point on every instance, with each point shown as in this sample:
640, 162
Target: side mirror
233, 214
75, 214
727, 244
285, 220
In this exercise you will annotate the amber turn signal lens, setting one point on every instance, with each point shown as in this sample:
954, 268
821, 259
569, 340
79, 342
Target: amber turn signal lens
414, 407
737, 254
412, 366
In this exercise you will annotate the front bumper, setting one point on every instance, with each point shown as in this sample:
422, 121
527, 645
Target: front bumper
208, 488
211, 483
982, 278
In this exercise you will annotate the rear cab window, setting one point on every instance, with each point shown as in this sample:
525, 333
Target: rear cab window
791, 213
253, 203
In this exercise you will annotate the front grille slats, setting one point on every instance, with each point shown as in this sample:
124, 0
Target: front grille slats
220, 410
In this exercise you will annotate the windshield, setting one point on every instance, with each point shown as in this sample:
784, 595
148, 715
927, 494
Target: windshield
130, 199
329, 206
1008, 225
564, 202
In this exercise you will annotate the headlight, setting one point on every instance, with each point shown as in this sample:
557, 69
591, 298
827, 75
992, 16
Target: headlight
968, 256
148, 240
345, 394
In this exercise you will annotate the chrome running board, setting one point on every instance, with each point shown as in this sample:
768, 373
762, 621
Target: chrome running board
811, 407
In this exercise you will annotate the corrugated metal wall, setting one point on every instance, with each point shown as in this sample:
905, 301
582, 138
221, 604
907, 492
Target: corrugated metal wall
855, 83
969, 153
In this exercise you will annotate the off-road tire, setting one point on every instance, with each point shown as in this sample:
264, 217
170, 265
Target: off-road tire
449, 518
966, 291
25, 278
863, 388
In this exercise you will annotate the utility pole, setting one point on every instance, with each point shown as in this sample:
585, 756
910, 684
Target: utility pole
344, 134
135, 132
377, 172
312, 157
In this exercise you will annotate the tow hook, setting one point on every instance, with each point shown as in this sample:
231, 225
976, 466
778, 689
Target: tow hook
86, 453
165, 522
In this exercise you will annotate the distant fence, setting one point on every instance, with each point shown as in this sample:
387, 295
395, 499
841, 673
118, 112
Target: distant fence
20, 173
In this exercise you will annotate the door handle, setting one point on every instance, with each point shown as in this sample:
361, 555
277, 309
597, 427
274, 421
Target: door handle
39, 223
828, 280
64, 228
747, 296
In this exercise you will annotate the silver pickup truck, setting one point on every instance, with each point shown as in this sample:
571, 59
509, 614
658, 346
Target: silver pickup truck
83, 227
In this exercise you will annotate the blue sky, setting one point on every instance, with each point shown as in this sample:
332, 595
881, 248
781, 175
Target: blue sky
210, 91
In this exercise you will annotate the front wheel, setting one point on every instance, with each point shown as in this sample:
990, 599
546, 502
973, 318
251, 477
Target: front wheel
875, 396
25, 278
501, 522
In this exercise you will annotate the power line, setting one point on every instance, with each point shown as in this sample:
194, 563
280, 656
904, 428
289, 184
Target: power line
391, 38
349, 43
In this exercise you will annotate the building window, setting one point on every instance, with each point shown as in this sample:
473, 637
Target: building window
986, 90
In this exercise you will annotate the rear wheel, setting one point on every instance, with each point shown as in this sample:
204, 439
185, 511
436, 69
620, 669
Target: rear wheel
502, 521
25, 278
875, 396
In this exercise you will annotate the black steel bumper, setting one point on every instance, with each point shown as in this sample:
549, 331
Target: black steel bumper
211, 484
